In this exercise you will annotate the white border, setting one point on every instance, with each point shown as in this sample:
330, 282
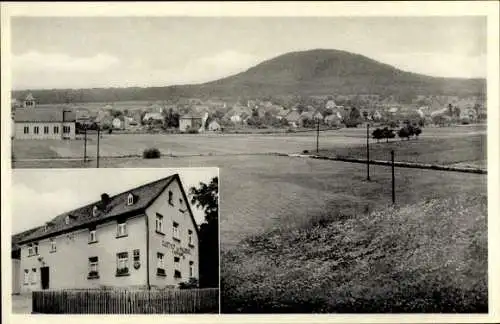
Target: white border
290, 9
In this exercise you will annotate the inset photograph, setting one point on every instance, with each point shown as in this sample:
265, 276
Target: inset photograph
115, 241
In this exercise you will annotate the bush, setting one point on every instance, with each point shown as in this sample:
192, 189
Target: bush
192, 131
417, 131
190, 284
151, 153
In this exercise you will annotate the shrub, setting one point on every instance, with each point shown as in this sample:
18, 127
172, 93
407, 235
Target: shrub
192, 131
151, 153
305, 151
190, 284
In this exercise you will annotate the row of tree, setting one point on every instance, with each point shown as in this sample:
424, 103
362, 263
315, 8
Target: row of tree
406, 131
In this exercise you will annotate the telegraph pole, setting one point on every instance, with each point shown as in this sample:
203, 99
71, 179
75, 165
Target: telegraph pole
368, 152
393, 180
317, 137
85, 146
98, 137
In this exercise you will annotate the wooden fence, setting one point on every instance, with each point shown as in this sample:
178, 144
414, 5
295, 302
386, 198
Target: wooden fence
171, 301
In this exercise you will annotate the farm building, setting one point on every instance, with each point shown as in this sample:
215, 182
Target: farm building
214, 126
43, 123
144, 237
189, 121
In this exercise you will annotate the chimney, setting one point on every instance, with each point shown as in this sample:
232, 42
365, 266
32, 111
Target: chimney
104, 200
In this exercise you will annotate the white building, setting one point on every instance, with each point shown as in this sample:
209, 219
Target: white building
144, 237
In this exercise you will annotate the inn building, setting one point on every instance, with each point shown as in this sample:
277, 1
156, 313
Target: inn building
145, 237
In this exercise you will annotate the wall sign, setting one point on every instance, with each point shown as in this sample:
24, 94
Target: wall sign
176, 250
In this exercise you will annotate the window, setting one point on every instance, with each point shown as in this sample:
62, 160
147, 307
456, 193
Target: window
93, 268
160, 270
56, 129
35, 248
191, 269
66, 220
92, 235
26, 276
95, 210
175, 231
137, 255
26, 129
35, 129
121, 229
53, 247
177, 274
159, 223
130, 199
170, 197
190, 237
30, 249
122, 264
45, 129
66, 129
33, 276
176, 260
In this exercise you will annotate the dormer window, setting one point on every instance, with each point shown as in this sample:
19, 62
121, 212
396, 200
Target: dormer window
130, 199
95, 211
66, 220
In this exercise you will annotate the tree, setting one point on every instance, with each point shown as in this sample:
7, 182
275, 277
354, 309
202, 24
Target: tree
387, 133
354, 114
206, 197
365, 114
450, 110
418, 131
404, 133
377, 134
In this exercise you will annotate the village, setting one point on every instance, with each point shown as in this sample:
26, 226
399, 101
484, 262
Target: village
213, 115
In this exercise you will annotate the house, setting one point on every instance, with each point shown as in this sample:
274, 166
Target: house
153, 117
118, 123
44, 123
214, 126
189, 122
293, 118
330, 104
16, 259
143, 237
333, 120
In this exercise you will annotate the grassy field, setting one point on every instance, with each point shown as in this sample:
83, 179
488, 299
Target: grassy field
464, 150
430, 257
118, 145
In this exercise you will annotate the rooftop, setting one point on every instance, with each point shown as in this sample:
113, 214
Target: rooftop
47, 115
115, 207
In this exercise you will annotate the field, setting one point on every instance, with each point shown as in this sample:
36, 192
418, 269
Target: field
120, 145
464, 150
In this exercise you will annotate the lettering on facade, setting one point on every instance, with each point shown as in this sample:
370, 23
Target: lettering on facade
176, 250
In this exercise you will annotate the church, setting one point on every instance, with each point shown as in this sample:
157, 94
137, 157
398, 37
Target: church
32, 122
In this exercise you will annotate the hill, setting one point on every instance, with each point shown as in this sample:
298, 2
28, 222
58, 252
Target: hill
313, 72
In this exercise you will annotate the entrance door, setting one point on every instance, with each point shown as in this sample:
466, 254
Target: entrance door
44, 276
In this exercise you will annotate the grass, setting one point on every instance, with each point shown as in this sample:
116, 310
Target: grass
445, 151
428, 257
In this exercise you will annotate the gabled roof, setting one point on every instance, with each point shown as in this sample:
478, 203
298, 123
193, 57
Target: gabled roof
293, 116
16, 238
47, 115
116, 207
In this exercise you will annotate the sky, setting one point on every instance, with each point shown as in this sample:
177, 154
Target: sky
86, 52
38, 195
